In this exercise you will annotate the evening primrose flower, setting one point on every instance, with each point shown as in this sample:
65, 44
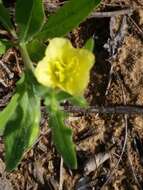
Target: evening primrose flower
65, 67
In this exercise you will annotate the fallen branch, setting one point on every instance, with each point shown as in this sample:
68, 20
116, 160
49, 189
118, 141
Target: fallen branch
111, 13
129, 109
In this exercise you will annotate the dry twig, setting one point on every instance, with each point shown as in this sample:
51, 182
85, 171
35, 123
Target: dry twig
121, 109
136, 26
111, 13
125, 138
61, 175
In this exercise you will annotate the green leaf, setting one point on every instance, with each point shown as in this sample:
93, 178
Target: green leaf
62, 137
89, 45
36, 50
67, 18
30, 18
4, 45
2, 48
75, 100
7, 43
34, 86
78, 101
62, 95
41, 91
5, 18
6, 114
22, 129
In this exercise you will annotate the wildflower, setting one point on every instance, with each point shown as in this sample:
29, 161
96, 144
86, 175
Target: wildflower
65, 67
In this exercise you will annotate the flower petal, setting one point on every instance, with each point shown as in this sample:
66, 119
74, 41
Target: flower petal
65, 67
58, 47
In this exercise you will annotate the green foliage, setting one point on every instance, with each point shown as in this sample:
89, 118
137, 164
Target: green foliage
22, 128
30, 18
79, 101
4, 45
67, 18
75, 100
5, 18
62, 95
36, 50
62, 135
89, 44
2, 48
19, 121
6, 114
8, 44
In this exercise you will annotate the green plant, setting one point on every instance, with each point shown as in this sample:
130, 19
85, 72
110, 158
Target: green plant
19, 121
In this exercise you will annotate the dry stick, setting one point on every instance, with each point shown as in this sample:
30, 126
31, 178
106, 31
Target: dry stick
3, 83
121, 109
126, 127
112, 36
110, 79
129, 109
123, 150
123, 26
10, 74
135, 24
17, 63
111, 13
61, 175
133, 170
5, 100
4, 32
125, 139
115, 41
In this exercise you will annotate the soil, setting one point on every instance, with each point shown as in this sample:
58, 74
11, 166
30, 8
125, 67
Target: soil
109, 146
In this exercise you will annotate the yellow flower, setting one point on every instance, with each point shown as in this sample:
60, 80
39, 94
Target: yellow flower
65, 67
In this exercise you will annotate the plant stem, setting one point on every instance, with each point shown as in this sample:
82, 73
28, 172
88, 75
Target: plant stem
26, 58
14, 35
54, 104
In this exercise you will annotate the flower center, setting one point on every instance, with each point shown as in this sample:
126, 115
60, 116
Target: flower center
64, 70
